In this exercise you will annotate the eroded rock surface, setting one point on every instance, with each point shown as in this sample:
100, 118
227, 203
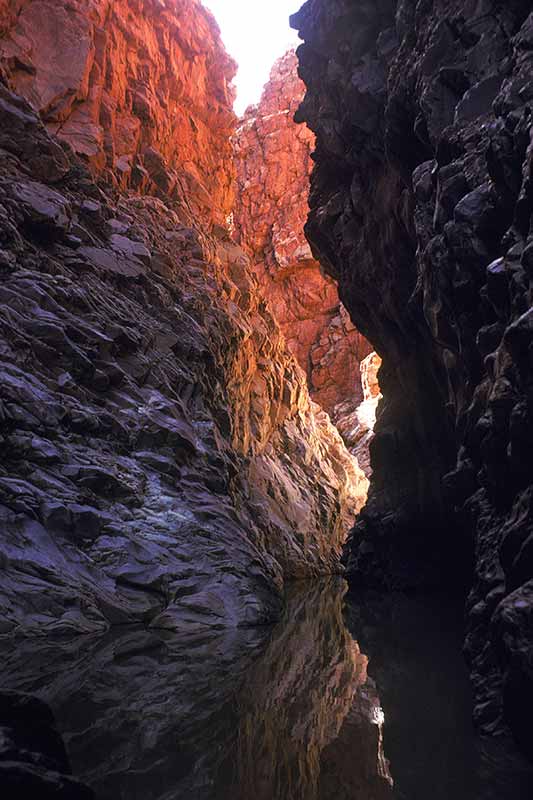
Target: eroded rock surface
140, 89
273, 160
421, 210
356, 426
160, 458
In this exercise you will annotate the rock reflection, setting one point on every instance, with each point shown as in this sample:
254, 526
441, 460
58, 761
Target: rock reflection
307, 721
285, 713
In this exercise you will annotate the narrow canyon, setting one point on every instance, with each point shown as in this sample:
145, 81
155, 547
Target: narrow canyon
266, 404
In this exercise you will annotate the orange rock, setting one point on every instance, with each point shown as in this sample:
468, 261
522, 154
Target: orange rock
141, 89
273, 165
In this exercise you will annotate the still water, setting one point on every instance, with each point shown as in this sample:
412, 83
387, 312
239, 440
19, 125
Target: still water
347, 698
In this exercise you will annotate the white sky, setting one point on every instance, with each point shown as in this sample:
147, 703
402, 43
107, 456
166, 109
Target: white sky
255, 33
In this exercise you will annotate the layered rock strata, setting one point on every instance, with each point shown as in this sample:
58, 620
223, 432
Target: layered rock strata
421, 209
273, 159
140, 89
160, 458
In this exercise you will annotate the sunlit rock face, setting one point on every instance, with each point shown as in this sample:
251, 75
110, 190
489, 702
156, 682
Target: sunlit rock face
356, 426
160, 458
273, 160
283, 712
421, 209
140, 89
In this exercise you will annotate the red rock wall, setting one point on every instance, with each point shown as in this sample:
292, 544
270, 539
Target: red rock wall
139, 88
273, 165
8, 12
159, 451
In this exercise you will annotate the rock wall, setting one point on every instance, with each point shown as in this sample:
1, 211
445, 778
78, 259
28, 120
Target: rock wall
140, 89
273, 159
421, 209
160, 458
356, 426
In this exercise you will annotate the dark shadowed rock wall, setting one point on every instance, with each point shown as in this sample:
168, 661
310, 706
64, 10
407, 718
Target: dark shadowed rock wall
33, 759
421, 209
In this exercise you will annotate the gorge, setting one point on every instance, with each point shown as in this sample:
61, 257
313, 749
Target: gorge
189, 386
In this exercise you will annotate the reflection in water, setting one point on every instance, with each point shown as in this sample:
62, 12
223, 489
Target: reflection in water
282, 713
414, 650
307, 712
